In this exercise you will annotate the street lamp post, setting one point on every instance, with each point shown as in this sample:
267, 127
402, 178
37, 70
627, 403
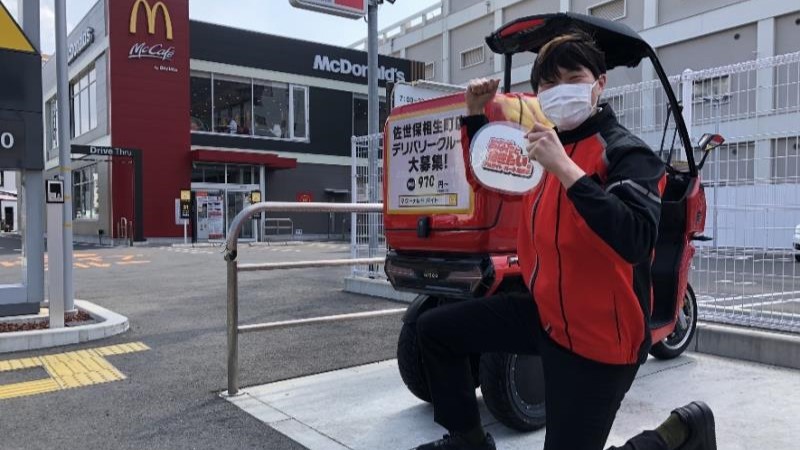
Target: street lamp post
64, 154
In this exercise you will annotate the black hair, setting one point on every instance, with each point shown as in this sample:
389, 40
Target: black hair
570, 52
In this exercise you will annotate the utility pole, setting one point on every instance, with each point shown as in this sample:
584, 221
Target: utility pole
373, 115
64, 154
31, 185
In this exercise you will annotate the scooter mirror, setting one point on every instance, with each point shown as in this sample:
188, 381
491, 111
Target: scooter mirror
708, 143
499, 159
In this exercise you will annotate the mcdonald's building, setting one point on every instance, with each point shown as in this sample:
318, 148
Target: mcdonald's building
230, 114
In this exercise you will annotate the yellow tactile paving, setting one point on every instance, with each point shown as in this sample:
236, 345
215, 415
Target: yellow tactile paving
28, 388
68, 370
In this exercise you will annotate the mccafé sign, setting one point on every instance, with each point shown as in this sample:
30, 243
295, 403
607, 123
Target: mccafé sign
155, 13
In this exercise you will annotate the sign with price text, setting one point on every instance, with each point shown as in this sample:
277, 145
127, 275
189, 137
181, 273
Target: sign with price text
425, 162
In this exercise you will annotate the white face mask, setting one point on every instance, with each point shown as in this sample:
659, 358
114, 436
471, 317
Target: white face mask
568, 105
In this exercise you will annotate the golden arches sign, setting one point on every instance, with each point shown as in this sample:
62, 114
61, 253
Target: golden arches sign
151, 12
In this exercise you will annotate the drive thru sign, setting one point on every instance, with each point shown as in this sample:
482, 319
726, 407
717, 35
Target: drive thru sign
20, 98
353, 9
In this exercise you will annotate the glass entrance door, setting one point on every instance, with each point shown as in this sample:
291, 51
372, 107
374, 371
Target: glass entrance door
237, 201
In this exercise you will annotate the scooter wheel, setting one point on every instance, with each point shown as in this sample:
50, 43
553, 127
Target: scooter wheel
513, 389
409, 362
411, 366
676, 343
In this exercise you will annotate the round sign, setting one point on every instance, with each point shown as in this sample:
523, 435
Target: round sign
499, 159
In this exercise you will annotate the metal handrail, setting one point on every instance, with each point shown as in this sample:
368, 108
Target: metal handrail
233, 269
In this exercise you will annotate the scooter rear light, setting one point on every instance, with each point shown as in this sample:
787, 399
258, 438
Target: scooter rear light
451, 275
393, 271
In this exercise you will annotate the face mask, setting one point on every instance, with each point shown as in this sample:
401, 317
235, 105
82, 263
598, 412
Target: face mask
568, 105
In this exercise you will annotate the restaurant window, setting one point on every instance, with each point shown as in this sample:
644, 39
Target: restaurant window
200, 92
274, 110
271, 109
300, 112
85, 193
233, 106
225, 173
361, 116
52, 129
84, 103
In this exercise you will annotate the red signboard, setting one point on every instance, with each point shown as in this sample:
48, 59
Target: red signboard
305, 197
149, 73
353, 9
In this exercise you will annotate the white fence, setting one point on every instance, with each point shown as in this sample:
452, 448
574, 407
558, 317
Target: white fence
747, 275
367, 239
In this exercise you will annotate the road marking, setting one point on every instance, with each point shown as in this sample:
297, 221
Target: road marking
68, 370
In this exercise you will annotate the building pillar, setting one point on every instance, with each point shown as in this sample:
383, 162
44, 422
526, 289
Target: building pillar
650, 14
446, 53
765, 82
498, 22
564, 6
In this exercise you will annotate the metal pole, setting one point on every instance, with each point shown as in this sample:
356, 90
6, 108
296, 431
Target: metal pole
32, 187
716, 101
64, 154
233, 325
373, 119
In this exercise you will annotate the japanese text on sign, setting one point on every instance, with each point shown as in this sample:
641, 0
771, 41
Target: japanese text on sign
426, 164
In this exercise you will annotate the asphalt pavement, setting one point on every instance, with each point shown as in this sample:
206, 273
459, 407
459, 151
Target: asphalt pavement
175, 299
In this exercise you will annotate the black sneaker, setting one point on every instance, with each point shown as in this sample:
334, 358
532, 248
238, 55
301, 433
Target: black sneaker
700, 420
456, 442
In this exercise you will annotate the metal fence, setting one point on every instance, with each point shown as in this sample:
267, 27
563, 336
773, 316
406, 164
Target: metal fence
367, 239
748, 274
233, 269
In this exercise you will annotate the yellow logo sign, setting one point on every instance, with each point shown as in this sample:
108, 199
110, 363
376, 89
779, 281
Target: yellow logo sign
11, 36
151, 13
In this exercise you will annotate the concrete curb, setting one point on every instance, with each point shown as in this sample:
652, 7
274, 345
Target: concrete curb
748, 344
197, 245
109, 324
275, 243
376, 288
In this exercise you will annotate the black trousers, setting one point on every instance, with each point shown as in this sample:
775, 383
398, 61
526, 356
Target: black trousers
582, 396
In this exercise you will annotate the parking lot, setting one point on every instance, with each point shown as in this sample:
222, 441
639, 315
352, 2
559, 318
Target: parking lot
748, 285
175, 300
172, 361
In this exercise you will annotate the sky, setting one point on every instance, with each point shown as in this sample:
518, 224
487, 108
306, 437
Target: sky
267, 16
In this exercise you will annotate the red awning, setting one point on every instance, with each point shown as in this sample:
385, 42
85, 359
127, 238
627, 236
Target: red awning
271, 161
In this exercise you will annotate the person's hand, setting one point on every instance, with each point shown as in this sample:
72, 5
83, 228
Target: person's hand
479, 92
545, 148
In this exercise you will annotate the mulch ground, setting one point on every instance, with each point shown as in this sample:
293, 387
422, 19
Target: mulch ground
70, 319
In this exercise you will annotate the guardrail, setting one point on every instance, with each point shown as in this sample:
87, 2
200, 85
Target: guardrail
289, 225
233, 269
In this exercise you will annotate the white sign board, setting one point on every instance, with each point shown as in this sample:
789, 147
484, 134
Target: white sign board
406, 94
352, 9
499, 159
54, 189
426, 170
